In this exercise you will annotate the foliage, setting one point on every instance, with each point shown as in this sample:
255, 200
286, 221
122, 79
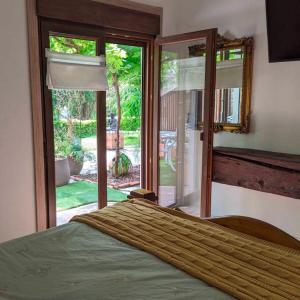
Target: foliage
76, 152
74, 104
61, 143
72, 46
64, 146
81, 129
124, 165
126, 62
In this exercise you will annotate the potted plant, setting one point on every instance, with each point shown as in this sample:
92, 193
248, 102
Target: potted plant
124, 165
62, 170
75, 158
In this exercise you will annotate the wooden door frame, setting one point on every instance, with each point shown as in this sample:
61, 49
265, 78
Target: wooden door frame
102, 37
209, 102
38, 113
76, 31
147, 100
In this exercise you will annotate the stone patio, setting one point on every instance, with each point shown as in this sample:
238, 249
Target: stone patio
63, 217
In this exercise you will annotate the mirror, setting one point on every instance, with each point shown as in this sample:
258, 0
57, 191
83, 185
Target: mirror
233, 83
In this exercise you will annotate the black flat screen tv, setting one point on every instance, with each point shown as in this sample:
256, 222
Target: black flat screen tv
283, 25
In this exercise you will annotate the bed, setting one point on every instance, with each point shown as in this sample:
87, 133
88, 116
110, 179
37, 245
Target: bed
79, 261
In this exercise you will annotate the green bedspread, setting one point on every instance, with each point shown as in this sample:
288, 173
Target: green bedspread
75, 261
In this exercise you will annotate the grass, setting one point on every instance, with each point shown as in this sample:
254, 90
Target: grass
131, 138
82, 193
132, 141
167, 177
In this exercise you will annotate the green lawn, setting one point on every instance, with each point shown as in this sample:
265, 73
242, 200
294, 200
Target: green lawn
132, 141
131, 138
167, 177
82, 193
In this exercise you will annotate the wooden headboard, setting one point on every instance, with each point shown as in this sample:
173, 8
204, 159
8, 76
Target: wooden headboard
264, 171
258, 229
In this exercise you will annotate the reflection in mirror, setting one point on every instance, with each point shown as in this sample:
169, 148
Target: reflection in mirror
233, 83
229, 85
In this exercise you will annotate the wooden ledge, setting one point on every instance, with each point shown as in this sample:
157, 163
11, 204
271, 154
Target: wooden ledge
270, 172
284, 160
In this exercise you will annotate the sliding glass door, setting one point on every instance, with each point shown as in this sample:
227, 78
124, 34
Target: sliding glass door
185, 122
74, 120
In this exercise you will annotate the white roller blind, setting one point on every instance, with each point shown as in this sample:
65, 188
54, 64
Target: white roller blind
229, 74
190, 75
76, 72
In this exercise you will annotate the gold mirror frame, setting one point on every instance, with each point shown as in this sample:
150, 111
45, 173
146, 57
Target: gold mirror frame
247, 45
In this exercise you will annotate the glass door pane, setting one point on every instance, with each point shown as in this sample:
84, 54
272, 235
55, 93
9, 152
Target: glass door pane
123, 120
182, 105
75, 140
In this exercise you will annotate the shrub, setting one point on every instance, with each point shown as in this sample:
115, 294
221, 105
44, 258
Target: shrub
130, 123
81, 129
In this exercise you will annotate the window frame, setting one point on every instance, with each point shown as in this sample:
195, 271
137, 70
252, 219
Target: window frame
38, 33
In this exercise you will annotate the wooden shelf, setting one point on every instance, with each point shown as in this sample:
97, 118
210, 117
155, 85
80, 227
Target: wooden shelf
270, 172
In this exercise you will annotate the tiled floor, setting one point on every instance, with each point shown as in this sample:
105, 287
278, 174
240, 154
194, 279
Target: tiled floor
167, 195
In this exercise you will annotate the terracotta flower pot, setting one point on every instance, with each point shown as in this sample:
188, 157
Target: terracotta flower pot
75, 166
111, 140
62, 171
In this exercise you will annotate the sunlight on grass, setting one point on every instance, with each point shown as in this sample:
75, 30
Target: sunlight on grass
132, 141
82, 193
167, 177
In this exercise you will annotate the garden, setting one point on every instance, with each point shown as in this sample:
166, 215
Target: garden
75, 128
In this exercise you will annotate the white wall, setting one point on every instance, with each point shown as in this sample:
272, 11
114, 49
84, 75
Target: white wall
275, 120
17, 210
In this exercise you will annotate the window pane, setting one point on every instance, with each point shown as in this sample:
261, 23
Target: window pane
181, 115
75, 141
123, 109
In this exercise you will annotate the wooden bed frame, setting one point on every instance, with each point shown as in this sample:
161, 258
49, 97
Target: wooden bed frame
251, 226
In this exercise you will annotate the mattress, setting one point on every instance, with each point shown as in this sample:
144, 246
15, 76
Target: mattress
75, 261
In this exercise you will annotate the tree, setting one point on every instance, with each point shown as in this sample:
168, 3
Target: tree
115, 66
124, 72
